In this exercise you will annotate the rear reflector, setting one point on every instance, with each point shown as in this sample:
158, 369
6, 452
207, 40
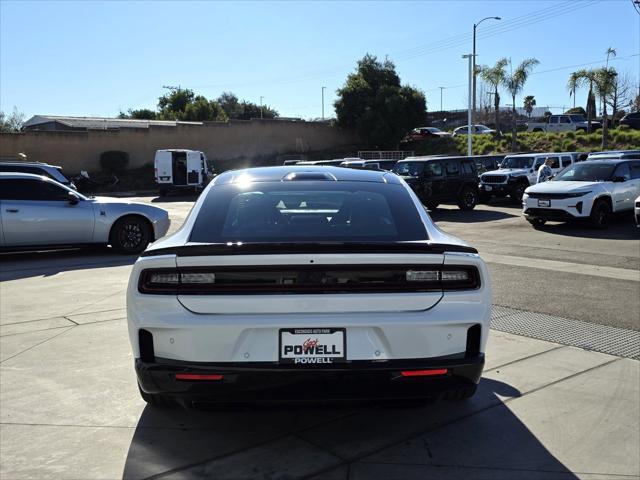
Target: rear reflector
424, 373
191, 377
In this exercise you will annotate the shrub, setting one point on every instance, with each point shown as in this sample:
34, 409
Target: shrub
570, 134
114, 161
580, 132
623, 127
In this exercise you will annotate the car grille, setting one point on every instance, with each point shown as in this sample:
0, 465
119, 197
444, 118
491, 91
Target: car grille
549, 213
557, 196
494, 178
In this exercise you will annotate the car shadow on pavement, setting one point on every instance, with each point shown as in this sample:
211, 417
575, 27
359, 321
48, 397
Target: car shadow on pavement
621, 227
18, 265
477, 215
478, 435
175, 198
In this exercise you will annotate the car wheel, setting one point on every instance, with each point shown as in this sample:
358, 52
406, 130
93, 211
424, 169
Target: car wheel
130, 235
468, 199
459, 393
518, 192
431, 205
156, 399
537, 222
600, 214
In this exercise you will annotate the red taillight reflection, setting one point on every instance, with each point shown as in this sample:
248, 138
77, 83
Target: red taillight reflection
191, 377
424, 373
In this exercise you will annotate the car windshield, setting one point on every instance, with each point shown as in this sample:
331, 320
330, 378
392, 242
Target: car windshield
308, 211
517, 162
586, 172
408, 169
577, 118
433, 129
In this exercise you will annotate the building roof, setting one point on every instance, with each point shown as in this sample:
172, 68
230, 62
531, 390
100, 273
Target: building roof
101, 123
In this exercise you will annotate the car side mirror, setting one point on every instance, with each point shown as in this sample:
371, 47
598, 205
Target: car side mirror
73, 198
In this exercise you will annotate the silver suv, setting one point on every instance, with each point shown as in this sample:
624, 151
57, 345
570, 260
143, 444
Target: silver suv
37, 168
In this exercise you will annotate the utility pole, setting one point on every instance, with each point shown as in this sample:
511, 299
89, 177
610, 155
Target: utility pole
475, 25
323, 102
441, 89
261, 97
469, 123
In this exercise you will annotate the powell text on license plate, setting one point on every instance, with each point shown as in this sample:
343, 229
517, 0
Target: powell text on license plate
312, 345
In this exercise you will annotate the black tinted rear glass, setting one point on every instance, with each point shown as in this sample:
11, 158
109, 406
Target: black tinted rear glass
407, 169
307, 212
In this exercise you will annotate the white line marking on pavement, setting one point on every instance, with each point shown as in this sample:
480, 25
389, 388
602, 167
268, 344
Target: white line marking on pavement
577, 268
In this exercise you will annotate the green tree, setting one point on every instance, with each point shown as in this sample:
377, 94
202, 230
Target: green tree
578, 79
576, 110
374, 103
243, 110
575, 81
604, 82
11, 123
529, 103
514, 82
202, 110
139, 114
494, 76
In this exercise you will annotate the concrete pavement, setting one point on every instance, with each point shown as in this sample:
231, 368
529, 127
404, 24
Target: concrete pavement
69, 406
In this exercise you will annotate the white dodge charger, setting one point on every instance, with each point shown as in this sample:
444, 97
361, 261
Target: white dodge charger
308, 283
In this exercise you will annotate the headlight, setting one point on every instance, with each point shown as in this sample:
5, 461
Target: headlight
576, 194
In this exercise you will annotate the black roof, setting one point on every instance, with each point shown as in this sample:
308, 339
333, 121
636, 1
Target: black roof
278, 174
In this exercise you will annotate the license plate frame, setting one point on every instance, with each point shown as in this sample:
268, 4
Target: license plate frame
544, 202
332, 339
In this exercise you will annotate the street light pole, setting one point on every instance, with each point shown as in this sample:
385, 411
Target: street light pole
441, 89
323, 102
469, 123
475, 25
261, 97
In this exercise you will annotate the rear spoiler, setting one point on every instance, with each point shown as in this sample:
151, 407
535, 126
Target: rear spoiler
268, 248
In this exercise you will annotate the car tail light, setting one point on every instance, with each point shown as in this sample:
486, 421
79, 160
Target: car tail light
194, 377
432, 372
288, 279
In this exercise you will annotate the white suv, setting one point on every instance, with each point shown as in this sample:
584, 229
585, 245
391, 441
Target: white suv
590, 190
308, 283
517, 172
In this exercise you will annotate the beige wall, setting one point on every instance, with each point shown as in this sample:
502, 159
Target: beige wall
236, 142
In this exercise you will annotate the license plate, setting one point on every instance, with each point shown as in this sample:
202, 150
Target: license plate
312, 345
544, 203
488, 188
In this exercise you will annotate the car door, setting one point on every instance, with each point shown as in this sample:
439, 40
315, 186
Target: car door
554, 124
624, 191
194, 168
434, 180
532, 172
453, 180
38, 212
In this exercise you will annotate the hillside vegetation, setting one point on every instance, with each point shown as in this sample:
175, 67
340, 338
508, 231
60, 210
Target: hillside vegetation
619, 139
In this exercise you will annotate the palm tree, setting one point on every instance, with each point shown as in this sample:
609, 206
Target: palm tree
604, 80
514, 83
578, 79
575, 82
528, 103
494, 76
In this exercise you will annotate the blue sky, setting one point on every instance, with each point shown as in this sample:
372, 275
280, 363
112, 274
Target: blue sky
97, 58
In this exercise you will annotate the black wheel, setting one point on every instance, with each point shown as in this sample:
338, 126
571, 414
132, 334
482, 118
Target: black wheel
468, 199
130, 235
432, 205
600, 214
537, 222
518, 192
459, 393
157, 400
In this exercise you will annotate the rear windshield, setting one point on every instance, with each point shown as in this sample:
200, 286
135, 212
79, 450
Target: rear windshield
308, 211
408, 169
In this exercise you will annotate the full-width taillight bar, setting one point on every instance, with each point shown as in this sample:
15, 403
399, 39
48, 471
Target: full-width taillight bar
288, 279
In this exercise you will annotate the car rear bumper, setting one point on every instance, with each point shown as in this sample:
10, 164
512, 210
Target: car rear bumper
266, 382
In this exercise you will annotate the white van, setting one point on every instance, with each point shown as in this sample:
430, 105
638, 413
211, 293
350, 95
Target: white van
181, 169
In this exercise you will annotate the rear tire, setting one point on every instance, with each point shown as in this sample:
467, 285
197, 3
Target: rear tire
157, 400
537, 222
600, 213
468, 199
518, 192
459, 394
130, 235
